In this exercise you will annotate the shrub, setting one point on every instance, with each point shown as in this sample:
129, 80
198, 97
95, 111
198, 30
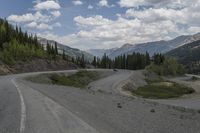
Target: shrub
168, 67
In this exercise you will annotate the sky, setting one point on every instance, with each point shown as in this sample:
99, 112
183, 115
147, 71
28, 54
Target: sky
103, 24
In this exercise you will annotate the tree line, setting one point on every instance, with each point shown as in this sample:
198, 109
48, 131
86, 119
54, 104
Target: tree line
133, 61
16, 45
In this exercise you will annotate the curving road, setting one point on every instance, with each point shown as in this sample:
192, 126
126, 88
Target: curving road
27, 107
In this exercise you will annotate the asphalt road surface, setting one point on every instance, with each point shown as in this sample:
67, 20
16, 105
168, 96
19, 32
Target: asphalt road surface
27, 107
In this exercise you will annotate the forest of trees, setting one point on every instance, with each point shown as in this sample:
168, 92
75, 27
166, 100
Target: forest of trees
134, 61
16, 45
158, 64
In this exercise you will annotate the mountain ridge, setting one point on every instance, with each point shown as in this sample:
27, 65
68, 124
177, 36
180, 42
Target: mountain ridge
162, 46
188, 55
72, 52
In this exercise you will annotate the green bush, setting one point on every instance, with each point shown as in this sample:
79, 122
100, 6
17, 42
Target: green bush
163, 90
168, 67
80, 79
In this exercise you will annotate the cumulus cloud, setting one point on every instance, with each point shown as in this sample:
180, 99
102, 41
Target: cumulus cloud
142, 21
39, 19
160, 20
91, 21
104, 3
29, 17
175, 4
77, 2
90, 7
42, 26
56, 13
47, 5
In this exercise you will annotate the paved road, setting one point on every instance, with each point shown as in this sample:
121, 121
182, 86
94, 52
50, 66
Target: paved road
27, 107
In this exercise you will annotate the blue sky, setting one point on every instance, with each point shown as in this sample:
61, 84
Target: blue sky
87, 24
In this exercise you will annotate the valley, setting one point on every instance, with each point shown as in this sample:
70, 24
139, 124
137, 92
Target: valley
100, 66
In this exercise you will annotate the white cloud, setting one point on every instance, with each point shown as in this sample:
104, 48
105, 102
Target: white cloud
28, 17
57, 24
160, 19
47, 5
140, 26
91, 21
56, 13
131, 3
77, 2
90, 7
154, 15
157, 3
103, 3
41, 20
42, 26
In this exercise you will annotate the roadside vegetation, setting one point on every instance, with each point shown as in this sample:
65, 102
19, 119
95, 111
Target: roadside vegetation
165, 66
158, 88
79, 79
194, 78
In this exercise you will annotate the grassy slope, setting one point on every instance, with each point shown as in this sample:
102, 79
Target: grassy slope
80, 79
163, 90
158, 88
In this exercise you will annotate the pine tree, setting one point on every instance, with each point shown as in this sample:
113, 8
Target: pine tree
94, 62
63, 55
82, 61
56, 48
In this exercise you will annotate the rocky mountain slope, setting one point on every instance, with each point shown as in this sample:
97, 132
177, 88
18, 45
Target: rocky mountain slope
101, 52
188, 55
152, 47
72, 52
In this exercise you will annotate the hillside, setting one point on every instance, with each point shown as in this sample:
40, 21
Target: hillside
153, 47
188, 55
21, 52
72, 52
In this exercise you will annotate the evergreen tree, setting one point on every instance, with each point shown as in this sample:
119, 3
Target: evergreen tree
63, 55
82, 61
94, 62
56, 48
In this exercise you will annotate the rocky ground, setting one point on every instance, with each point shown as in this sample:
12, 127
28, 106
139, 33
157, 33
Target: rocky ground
36, 65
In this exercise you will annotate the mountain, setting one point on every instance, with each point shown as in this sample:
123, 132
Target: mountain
72, 52
100, 52
188, 55
156, 47
151, 47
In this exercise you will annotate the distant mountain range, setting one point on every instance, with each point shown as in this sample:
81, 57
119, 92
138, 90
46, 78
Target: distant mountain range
151, 47
72, 52
101, 52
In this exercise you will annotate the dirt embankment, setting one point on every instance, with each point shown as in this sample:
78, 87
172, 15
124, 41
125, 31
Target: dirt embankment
36, 65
